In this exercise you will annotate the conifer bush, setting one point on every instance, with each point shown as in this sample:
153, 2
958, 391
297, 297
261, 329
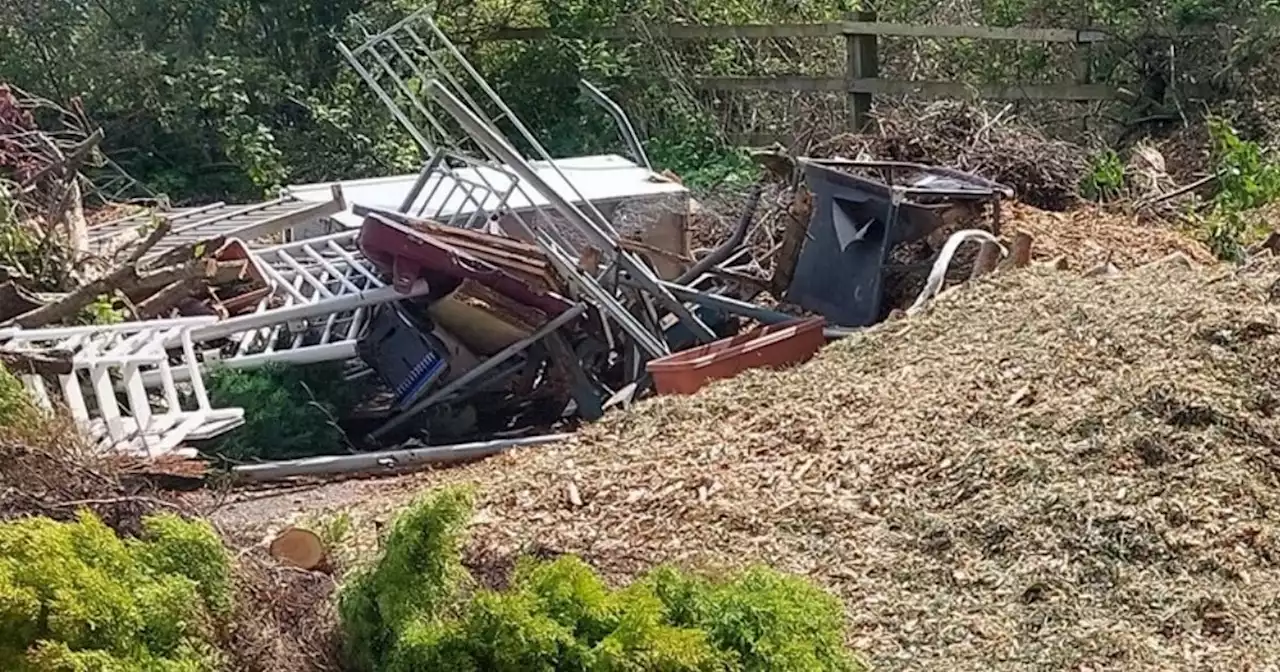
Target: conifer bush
75, 597
416, 610
290, 411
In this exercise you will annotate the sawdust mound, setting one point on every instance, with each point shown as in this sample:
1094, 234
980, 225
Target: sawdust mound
1044, 471
1091, 235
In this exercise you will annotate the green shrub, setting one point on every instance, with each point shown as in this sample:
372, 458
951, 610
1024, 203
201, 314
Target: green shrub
1248, 178
1105, 179
76, 597
418, 573
16, 407
411, 612
289, 411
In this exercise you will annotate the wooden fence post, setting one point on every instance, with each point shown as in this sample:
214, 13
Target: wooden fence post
862, 53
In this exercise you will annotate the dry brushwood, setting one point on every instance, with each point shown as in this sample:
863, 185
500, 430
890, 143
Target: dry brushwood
123, 278
45, 363
44, 167
1044, 471
46, 469
284, 618
996, 145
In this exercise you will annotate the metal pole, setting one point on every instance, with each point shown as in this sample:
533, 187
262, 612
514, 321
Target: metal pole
386, 460
615, 110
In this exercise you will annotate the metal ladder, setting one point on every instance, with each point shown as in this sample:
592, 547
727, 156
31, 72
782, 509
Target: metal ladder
144, 425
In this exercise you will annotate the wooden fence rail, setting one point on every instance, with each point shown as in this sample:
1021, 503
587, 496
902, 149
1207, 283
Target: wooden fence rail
861, 80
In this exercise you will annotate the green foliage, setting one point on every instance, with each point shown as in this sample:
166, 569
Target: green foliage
75, 597
224, 99
16, 407
103, 310
1248, 178
289, 411
418, 574
411, 612
190, 549
1248, 175
1105, 179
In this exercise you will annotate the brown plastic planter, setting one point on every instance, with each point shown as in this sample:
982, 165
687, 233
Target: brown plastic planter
774, 346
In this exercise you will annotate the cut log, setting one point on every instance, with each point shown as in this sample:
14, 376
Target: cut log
1019, 252
299, 548
14, 301
986, 261
164, 301
184, 253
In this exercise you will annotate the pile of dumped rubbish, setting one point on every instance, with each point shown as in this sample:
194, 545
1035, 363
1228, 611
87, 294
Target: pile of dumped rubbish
542, 292
1047, 470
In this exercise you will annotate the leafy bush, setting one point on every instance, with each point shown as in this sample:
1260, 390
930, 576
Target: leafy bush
16, 407
412, 611
1248, 178
289, 411
75, 597
1105, 178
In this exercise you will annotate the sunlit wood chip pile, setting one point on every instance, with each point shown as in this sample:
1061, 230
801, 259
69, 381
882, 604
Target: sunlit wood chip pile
1043, 471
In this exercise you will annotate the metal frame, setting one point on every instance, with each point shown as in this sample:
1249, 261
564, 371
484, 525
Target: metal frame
431, 61
246, 222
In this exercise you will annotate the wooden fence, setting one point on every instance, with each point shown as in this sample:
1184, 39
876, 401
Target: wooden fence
861, 80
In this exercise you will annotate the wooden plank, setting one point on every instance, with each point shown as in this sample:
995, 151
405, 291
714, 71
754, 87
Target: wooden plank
862, 58
760, 139
753, 31
927, 89
781, 83
974, 32
1087, 35
688, 32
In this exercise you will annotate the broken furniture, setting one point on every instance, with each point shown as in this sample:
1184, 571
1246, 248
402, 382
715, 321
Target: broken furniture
858, 219
144, 424
409, 254
404, 352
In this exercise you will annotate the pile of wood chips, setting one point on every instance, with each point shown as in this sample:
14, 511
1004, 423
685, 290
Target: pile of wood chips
1089, 235
1042, 471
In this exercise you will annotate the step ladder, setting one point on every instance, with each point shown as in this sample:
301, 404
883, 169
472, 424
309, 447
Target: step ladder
142, 423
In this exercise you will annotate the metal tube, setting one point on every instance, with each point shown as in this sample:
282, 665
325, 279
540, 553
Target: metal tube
445, 137
421, 182
339, 237
515, 121
384, 97
338, 304
386, 460
228, 215
615, 110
